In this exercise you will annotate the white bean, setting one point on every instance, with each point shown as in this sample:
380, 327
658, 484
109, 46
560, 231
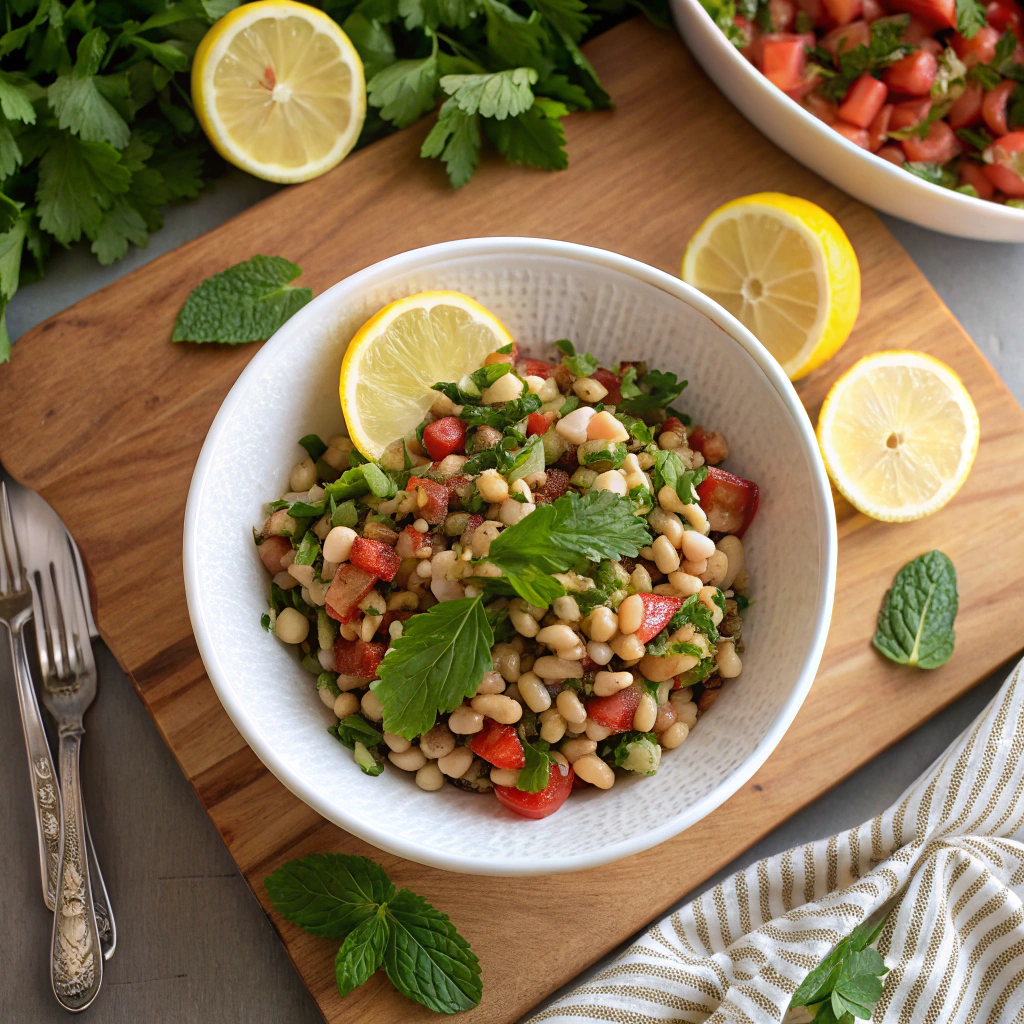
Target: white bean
727, 660
411, 760
607, 683
696, 546
534, 692
498, 707
599, 653
571, 708
558, 635
550, 667
732, 548
457, 763
430, 777
684, 583
338, 545
666, 558
464, 721
399, 744
291, 626
631, 614
574, 426
612, 481
372, 707
590, 768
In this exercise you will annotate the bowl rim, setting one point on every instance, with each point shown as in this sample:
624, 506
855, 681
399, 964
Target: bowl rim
398, 845
965, 203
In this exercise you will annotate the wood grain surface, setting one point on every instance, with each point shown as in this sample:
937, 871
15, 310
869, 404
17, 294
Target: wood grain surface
105, 417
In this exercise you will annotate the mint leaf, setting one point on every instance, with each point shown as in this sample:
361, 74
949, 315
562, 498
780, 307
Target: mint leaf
499, 95
404, 91
361, 953
434, 665
455, 140
535, 774
970, 17
426, 958
534, 138
915, 625
329, 893
246, 302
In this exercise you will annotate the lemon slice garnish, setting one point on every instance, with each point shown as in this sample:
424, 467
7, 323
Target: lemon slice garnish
898, 433
400, 352
785, 269
279, 90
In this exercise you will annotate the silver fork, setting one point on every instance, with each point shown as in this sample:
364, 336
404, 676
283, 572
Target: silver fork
69, 686
15, 611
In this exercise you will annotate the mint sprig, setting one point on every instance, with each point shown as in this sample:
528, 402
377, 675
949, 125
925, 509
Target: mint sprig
336, 894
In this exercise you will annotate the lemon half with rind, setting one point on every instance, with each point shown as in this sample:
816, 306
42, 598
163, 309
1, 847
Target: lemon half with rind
279, 90
399, 353
898, 433
785, 269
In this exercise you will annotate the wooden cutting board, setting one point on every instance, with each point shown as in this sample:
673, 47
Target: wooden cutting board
105, 417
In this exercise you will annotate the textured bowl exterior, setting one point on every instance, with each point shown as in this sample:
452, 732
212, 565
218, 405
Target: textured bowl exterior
542, 290
863, 175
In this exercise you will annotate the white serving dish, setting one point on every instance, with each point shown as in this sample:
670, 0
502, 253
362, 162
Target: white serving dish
543, 290
863, 175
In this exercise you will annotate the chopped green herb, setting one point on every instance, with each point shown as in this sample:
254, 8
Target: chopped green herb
315, 448
657, 389
307, 551
637, 752
468, 390
534, 776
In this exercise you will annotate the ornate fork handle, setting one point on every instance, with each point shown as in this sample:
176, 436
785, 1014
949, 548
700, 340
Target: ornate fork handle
76, 965
45, 792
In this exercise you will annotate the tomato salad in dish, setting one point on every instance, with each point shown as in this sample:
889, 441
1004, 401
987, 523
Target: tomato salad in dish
933, 86
537, 589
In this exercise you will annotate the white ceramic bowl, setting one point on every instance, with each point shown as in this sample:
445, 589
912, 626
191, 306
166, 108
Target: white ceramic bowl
542, 290
865, 176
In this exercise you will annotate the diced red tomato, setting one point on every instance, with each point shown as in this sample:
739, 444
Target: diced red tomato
536, 368
863, 100
873, 10
538, 423
376, 557
805, 88
557, 484
1004, 15
729, 501
909, 113
844, 11
939, 146
356, 658
973, 174
444, 436
611, 382
966, 108
815, 10
658, 612
431, 499
783, 59
1004, 164
499, 745
349, 586
993, 106
939, 12
979, 49
878, 130
912, 75
823, 109
858, 136
271, 551
846, 37
547, 801
894, 154
615, 712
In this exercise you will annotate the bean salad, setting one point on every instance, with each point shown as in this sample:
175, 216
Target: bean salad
538, 589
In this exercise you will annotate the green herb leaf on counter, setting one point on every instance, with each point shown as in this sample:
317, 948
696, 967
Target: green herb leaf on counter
352, 898
499, 95
246, 302
455, 140
434, 665
915, 625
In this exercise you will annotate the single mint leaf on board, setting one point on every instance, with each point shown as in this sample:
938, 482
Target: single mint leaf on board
246, 302
499, 95
329, 893
434, 665
426, 958
915, 625
361, 953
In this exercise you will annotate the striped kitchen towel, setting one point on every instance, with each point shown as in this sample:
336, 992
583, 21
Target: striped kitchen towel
951, 853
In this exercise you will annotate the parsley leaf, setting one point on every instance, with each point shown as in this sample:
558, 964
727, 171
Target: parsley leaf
669, 471
657, 389
455, 139
582, 364
499, 95
569, 17
535, 774
970, 17
246, 302
915, 625
405, 90
936, 174
534, 137
885, 46
438, 661
470, 388
511, 413
372, 40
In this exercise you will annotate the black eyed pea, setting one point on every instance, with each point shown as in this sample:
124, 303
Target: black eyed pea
590, 768
464, 721
456, 763
498, 707
411, 760
571, 708
599, 653
292, 626
732, 548
575, 749
631, 614
727, 660
534, 692
345, 704
437, 742
328, 698
558, 636
504, 776
303, 475
372, 707
430, 777
550, 667
603, 625
399, 744
628, 648
595, 731
552, 725
491, 683
674, 735
684, 583
566, 608
338, 544
646, 713
607, 683
717, 570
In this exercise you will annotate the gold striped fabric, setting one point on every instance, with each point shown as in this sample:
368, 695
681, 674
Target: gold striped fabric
951, 850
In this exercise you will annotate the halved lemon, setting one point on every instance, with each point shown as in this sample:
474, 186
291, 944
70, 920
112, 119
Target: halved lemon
898, 433
785, 269
400, 352
279, 90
